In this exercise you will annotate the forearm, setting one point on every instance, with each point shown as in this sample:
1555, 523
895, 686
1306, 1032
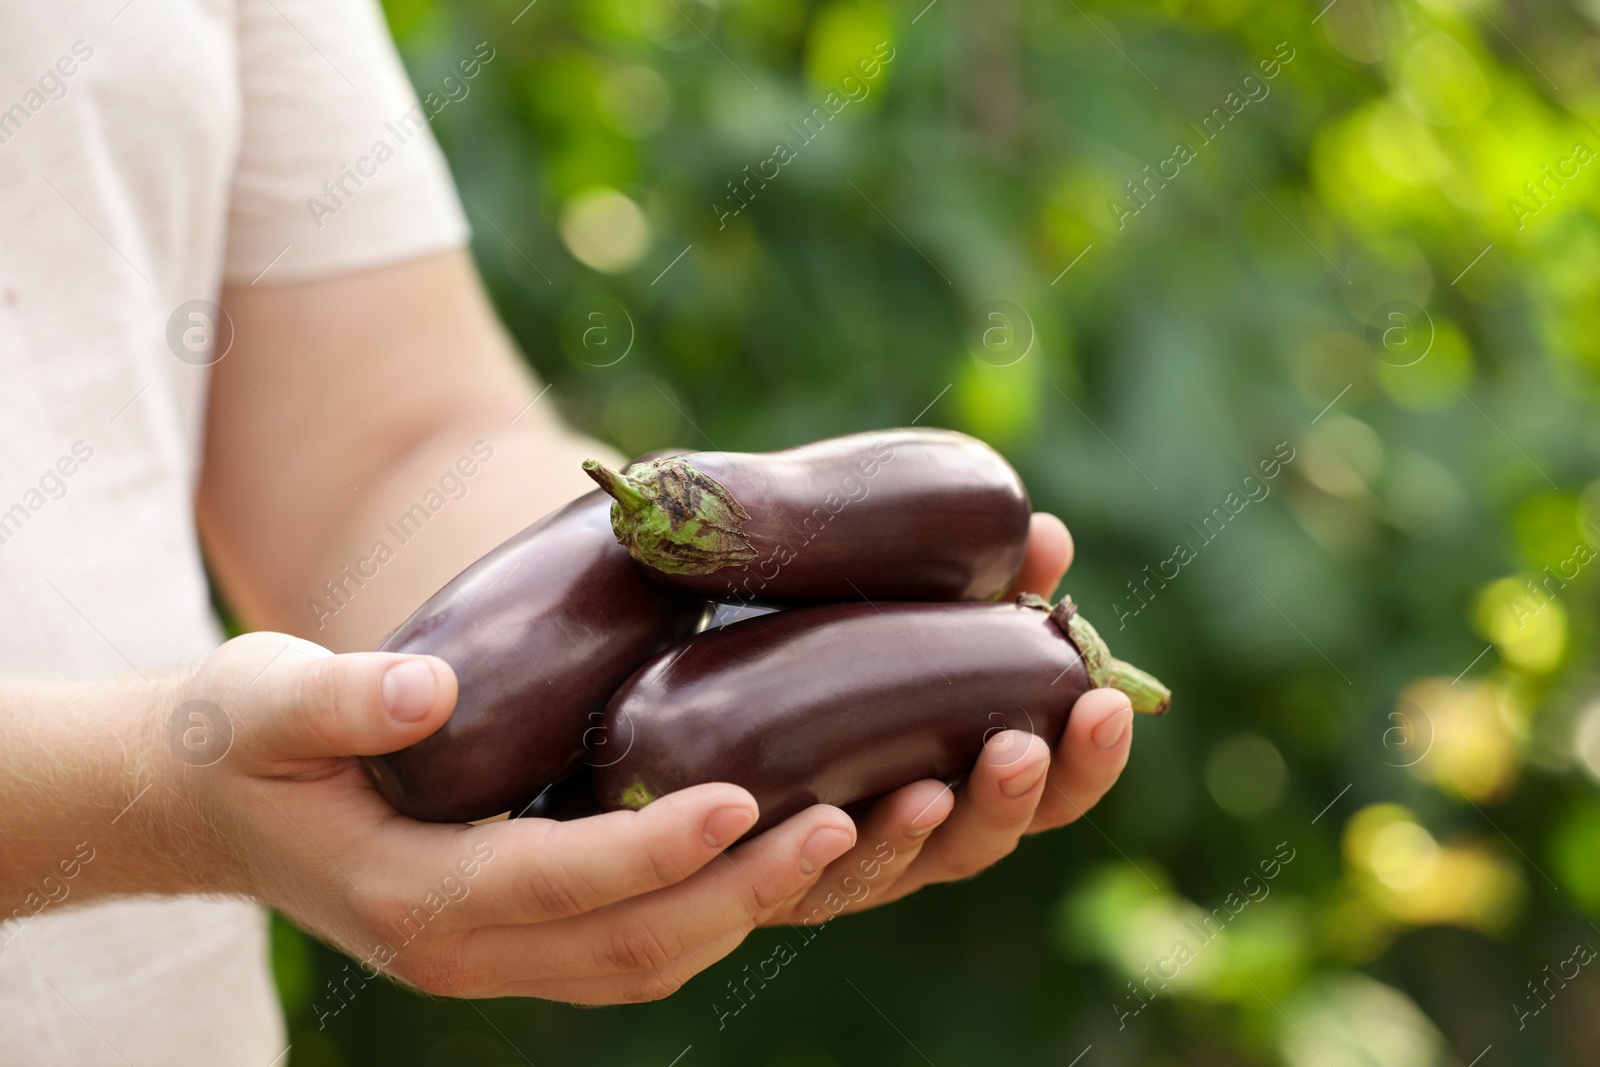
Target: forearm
89, 799
432, 512
370, 435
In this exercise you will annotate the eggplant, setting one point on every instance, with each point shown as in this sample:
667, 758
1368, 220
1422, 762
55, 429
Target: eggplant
540, 632
837, 703
913, 514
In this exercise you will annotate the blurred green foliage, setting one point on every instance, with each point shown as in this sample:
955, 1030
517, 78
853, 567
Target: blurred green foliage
1364, 236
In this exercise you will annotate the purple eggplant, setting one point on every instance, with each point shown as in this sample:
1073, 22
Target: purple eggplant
913, 514
837, 703
540, 632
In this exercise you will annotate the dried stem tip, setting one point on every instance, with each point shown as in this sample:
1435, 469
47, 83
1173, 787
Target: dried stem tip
673, 517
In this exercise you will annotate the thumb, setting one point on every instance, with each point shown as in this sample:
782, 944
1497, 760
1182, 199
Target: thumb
357, 704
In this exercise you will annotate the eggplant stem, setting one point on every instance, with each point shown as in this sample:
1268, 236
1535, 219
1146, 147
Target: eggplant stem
673, 517
621, 488
1143, 690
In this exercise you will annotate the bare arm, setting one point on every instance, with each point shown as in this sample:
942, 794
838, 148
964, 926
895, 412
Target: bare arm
345, 418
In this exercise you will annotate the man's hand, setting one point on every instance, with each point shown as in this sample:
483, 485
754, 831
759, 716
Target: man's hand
620, 907
925, 832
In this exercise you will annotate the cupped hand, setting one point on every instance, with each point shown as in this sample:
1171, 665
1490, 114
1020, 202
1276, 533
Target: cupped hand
616, 908
926, 832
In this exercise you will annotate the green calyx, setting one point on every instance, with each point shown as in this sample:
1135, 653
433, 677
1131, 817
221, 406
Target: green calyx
1144, 691
673, 517
637, 795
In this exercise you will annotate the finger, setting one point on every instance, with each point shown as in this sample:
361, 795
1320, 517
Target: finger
993, 808
543, 870
1092, 753
638, 988
729, 896
888, 840
1048, 557
291, 700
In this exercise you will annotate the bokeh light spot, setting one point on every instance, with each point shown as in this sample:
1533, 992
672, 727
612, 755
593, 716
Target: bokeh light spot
605, 230
1246, 775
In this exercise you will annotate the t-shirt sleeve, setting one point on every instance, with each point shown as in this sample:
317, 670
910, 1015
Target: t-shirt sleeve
337, 169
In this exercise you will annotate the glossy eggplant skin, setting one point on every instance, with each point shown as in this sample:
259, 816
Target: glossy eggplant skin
540, 632
908, 514
837, 703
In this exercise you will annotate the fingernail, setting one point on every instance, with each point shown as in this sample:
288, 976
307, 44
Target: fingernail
1023, 780
725, 825
930, 816
1112, 729
823, 847
409, 690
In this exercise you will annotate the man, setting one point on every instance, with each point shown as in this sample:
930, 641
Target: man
157, 789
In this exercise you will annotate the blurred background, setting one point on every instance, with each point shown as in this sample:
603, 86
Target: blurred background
1292, 312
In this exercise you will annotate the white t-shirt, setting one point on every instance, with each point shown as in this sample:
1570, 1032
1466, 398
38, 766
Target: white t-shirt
149, 149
